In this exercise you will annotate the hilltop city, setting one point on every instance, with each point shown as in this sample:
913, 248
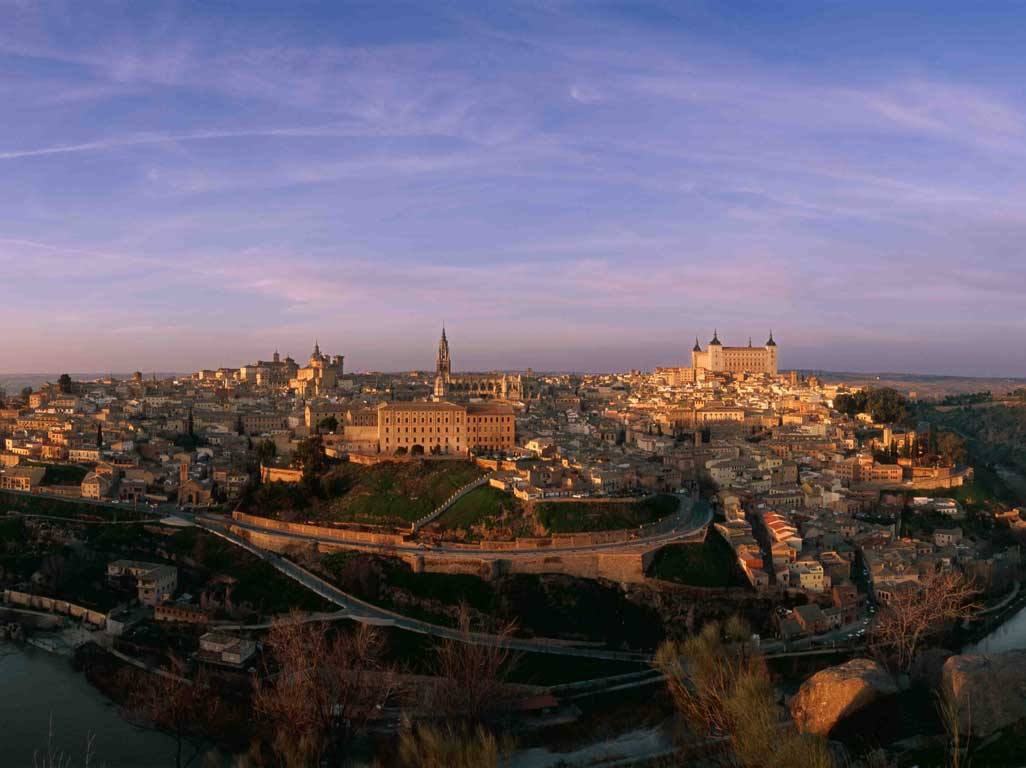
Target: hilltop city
587, 524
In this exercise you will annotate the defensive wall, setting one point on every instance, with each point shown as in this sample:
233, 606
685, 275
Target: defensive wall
53, 605
567, 554
361, 536
623, 566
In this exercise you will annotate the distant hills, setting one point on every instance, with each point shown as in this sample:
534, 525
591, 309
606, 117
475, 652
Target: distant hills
924, 385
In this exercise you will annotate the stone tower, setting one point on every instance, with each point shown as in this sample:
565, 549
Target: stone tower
443, 363
715, 353
771, 348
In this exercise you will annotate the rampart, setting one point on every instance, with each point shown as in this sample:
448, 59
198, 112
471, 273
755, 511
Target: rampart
54, 605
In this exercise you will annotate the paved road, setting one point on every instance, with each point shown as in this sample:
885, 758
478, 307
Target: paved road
366, 613
689, 520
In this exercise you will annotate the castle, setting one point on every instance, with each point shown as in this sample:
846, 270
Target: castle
498, 386
720, 359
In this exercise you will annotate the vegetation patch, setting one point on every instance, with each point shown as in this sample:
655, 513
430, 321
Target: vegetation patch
57, 507
64, 474
391, 493
580, 516
709, 564
486, 512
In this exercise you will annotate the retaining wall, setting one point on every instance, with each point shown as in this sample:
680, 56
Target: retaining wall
55, 605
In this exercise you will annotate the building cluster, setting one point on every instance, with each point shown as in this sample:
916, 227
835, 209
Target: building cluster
196, 440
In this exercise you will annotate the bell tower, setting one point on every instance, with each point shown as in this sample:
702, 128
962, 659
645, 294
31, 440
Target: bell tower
443, 363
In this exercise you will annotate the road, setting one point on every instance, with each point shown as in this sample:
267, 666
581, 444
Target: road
689, 520
366, 613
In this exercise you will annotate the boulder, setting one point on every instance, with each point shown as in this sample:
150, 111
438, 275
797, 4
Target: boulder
835, 693
988, 689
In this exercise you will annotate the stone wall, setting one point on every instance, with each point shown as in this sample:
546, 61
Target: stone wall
54, 605
346, 535
280, 475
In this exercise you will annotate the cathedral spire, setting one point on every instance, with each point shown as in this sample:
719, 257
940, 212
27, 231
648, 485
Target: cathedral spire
443, 362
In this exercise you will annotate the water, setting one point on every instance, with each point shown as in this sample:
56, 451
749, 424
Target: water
35, 684
1010, 636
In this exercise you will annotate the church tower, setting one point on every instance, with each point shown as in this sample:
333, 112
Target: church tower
443, 363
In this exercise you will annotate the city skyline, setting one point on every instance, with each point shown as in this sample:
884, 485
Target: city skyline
572, 186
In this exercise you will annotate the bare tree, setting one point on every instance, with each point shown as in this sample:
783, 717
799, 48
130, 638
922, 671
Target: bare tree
320, 689
723, 691
958, 738
184, 707
914, 616
430, 747
472, 670
53, 756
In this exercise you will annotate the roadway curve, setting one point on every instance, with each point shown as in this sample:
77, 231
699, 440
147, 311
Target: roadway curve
367, 613
691, 519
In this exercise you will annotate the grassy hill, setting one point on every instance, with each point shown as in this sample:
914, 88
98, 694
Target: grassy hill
579, 516
392, 493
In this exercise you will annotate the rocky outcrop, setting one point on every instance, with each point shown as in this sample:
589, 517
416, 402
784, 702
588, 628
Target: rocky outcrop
988, 689
835, 693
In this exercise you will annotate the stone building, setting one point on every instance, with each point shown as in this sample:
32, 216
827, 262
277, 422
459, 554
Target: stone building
319, 376
444, 427
464, 386
718, 358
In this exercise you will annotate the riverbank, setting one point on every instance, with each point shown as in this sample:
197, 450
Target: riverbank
41, 690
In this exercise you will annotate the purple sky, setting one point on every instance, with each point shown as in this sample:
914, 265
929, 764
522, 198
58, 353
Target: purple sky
567, 186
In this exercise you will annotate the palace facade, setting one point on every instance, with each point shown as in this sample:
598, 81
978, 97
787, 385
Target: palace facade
720, 359
447, 428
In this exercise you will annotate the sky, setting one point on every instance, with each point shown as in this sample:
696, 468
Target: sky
567, 186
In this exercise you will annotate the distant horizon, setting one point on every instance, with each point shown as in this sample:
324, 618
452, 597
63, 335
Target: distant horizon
579, 186
93, 375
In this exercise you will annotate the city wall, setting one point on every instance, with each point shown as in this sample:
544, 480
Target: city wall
53, 605
628, 566
374, 538
347, 535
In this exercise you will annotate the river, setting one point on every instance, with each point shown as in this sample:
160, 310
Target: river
36, 685
1010, 636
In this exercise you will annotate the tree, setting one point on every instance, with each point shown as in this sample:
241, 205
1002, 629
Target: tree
472, 670
26, 392
915, 615
320, 689
885, 405
400, 451
64, 383
329, 423
722, 689
952, 448
185, 708
266, 452
451, 747
310, 456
